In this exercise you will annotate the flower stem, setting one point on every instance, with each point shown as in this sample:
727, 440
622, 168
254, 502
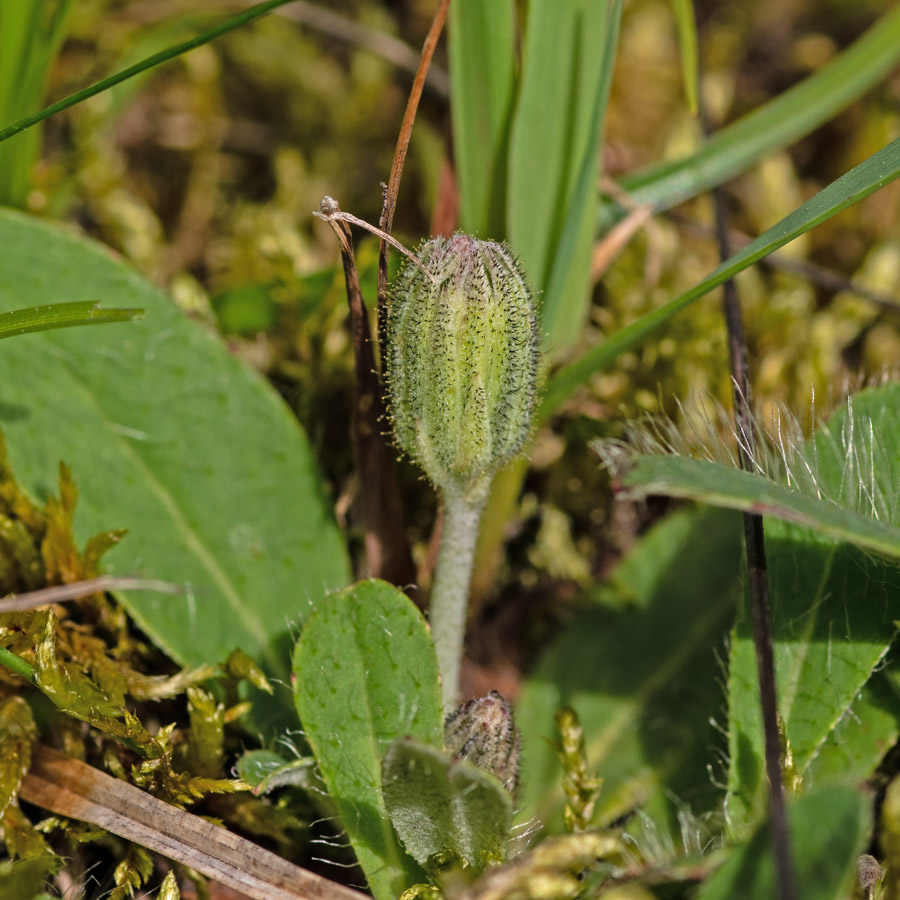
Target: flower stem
450, 593
16, 664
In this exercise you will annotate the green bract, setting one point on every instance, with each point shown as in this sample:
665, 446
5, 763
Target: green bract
462, 359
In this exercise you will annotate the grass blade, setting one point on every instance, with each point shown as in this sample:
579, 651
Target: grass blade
683, 11
31, 32
780, 122
156, 59
556, 126
866, 178
566, 296
62, 315
482, 71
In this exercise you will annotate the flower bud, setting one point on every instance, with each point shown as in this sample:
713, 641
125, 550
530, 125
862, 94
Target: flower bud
462, 355
484, 732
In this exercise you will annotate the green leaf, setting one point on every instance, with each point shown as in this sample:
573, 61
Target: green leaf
482, 72
61, 315
172, 438
857, 463
828, 830
843, 483
833, 607
439, 806
832, 602
772, 127
31, 33
553, 157
833, 610
877, 171
857, 744
721, 485
254, 12
264, 771
366, 673
644, 677
687, 36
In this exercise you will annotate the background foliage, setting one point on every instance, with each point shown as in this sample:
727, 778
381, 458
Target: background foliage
200, 177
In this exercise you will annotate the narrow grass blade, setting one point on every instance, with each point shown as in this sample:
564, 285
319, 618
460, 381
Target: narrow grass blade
156, 59
31, 32
870, 175
556, 127
683, 11
482, 71
773, 126
62, 315
567, 294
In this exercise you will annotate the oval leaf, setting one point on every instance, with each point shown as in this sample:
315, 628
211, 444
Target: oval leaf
366, 672
439, 806
173, 439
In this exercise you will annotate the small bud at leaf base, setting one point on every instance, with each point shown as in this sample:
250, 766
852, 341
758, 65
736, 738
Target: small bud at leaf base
462, 358
484, 732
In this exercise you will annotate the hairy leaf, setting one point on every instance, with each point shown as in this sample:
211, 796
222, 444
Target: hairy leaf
828, 829
834, 610
365, 672
722, 485
440, 807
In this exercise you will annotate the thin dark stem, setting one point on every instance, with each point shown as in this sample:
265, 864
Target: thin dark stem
387, 548
754, 541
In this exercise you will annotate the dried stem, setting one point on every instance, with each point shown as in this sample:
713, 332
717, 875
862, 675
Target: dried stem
60, 593
393, 185
70, 788
387, 548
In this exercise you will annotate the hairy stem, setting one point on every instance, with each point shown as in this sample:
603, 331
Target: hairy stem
450, 592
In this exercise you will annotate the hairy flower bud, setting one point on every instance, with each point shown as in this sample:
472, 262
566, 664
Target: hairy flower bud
462, 357
484, 732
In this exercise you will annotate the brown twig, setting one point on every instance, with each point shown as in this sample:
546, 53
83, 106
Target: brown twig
387, 549
393, 185
68, 787
60, 593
